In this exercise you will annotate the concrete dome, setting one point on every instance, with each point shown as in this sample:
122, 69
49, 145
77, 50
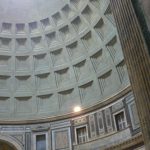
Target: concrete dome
55, 55
14, 11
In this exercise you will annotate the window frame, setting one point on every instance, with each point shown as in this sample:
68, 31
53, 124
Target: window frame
76, 134
34, 139
125, 119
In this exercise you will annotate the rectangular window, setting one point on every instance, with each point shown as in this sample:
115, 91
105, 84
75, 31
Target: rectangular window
81, 135
120, 121
41, 142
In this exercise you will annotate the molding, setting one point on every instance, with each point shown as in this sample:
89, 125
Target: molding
136, 140
99, 105
10, 141
34, 139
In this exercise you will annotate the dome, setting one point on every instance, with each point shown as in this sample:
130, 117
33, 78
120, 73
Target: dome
19, 11
55, 55
64, 74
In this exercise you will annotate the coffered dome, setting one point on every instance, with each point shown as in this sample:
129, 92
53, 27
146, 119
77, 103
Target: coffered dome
57, 54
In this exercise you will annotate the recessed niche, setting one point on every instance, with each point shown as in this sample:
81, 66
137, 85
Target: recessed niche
21, 44
99, 61
24, 104
41, 62
23, 63
103, 28
108, 119
63, 77
115, 49
99, 28
52, 39
24, 84
88, 91
82, 70
5, 44
77, 3
76, 50
66, 33
4, 104
97, 3
91, 41
46, 23
92, 125
6, 28
37, 43
66, 97
57, 18
100, 120
4, 83
79, 25
68, 11
45, 81
108, 13
105, 81
58, 57
89, 14
122, 71
20, 28
33, 27
5, 62
46, 103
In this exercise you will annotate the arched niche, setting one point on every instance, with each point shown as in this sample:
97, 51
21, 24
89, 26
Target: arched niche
6, 146
8, 143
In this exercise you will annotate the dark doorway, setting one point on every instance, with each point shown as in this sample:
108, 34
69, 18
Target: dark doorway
5, 146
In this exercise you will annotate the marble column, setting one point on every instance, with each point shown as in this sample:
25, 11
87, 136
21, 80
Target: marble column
137, 59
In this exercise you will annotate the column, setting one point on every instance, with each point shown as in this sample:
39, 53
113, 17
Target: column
137, 59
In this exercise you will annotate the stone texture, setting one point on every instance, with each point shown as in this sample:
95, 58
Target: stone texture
61, 59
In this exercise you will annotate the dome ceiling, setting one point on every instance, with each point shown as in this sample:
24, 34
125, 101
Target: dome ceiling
65, 54
25, 10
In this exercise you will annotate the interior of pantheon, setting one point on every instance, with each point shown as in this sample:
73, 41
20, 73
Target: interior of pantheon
74, 75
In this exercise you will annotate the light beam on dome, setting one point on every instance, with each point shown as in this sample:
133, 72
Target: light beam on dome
77, 109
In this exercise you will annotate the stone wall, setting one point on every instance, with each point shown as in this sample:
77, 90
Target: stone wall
100, 126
